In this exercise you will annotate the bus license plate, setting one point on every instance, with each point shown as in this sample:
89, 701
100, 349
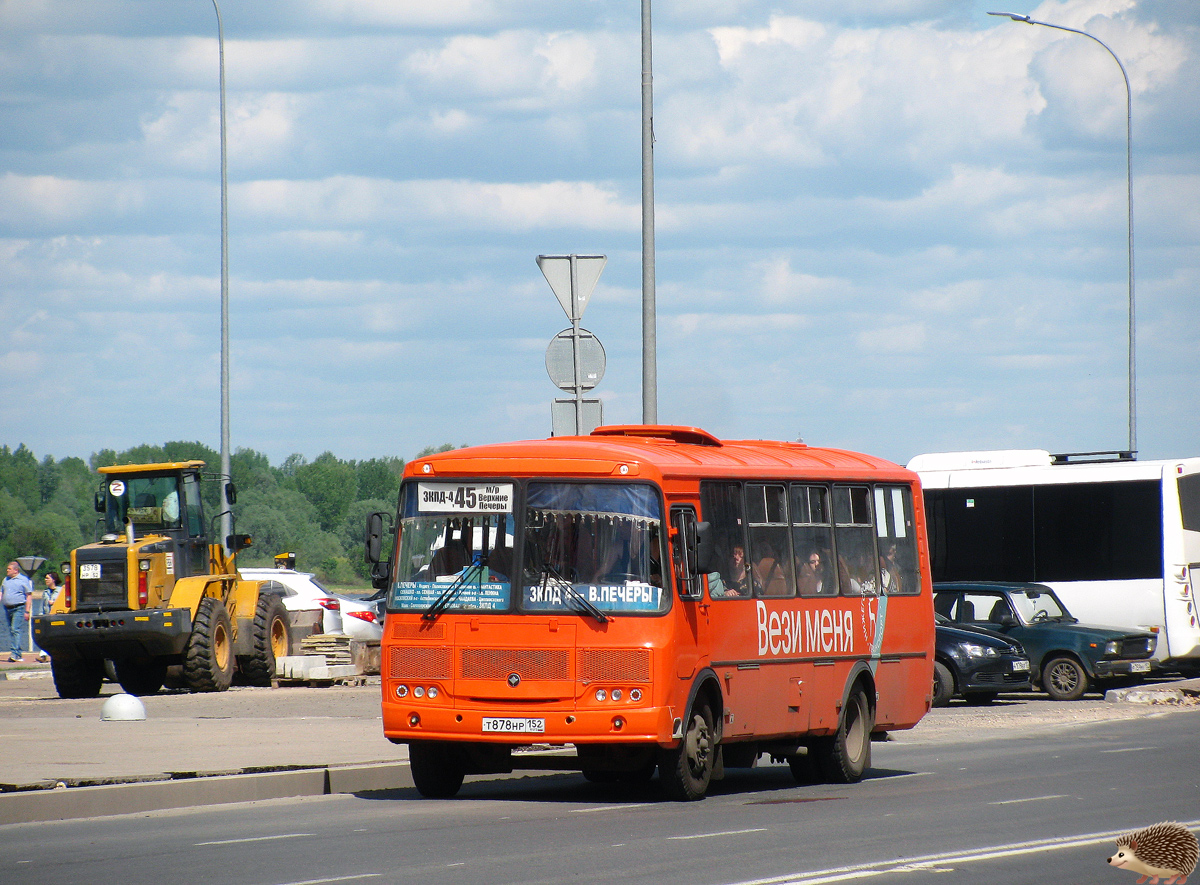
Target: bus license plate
1139, 667
1020, 665
513, 726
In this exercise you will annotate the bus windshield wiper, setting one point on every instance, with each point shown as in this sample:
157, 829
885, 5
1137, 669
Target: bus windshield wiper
475, 571
562, 583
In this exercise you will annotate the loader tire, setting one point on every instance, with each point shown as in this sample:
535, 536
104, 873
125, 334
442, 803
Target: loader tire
76, 677
141, 676
208, 658
271, 636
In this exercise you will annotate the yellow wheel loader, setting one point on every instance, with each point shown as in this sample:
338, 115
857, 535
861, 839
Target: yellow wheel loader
155, 592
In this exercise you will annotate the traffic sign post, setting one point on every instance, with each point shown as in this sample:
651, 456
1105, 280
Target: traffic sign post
575, 357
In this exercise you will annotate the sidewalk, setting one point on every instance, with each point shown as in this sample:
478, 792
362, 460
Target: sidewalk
61, 760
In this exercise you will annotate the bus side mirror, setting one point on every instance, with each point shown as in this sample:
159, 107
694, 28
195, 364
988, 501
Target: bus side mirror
706, 550
374, 549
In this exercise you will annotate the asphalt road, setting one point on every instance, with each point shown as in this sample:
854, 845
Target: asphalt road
1029, 791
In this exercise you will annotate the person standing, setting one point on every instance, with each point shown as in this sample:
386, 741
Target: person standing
48, 596
17, 601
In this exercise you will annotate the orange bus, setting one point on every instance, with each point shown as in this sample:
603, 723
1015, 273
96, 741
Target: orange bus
656, 599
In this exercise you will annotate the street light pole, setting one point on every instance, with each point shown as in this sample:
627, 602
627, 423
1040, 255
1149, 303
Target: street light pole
1129, 198
649, 318
226, 522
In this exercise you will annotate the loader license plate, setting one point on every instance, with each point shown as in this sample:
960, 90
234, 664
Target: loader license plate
513, 726
1139, 667
89, 571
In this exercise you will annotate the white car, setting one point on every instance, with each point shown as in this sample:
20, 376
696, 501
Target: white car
360, 619
302, 592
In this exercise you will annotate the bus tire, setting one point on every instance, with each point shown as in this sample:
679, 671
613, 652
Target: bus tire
686, 770
843, 758
141, 676
943, 684
436, 771
271, 639
1064, 679
76, 677
208, 657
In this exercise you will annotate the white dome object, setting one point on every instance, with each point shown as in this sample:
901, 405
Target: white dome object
122, 707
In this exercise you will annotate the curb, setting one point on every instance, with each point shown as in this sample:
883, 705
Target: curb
67, 803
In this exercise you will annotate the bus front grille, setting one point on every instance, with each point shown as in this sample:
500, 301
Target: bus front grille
419, 663
528, 663
614, 665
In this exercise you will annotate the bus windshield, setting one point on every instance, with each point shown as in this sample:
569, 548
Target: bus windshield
456, 548
593, 546
589, 548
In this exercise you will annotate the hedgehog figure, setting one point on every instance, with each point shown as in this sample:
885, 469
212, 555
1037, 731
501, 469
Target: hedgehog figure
1167, 851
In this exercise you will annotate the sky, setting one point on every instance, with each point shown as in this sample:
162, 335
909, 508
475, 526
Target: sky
893, 226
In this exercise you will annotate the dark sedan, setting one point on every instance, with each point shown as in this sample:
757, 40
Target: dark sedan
1067, 657
975, 664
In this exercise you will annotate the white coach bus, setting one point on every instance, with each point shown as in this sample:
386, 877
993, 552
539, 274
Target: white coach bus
1117, 539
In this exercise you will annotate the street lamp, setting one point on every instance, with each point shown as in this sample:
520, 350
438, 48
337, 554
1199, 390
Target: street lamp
226, 523
649, 313
1129, 192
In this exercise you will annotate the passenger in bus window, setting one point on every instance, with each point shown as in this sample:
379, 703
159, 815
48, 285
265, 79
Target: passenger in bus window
889, 571
809, 579
737, 577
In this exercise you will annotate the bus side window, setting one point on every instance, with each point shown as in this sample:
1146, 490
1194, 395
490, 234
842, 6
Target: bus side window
721, 507
858, 568
812, 541
770, 540
896, 537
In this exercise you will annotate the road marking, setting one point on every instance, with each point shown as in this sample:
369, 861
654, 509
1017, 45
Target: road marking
1030, 799
257, 839
1130, 750
934, 862
334, 879
710, 835
610, 807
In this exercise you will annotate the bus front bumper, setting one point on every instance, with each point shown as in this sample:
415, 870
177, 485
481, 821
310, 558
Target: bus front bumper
153, 633
424, 722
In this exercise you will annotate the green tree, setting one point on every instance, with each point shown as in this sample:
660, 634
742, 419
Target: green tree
331, 486
379, 478
19, 475
49, 534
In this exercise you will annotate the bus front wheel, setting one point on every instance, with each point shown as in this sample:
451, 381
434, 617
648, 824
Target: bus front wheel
437, 772
843, 758
686, 770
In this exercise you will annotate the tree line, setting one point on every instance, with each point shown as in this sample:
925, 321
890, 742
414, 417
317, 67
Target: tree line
316, 509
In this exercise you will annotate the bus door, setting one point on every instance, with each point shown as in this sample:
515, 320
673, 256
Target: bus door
692, 637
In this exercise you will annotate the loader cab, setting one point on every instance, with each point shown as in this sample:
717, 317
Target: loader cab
160, 500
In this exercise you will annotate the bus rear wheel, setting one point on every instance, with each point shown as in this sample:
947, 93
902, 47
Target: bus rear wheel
686, 770
843, 758
437, 772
